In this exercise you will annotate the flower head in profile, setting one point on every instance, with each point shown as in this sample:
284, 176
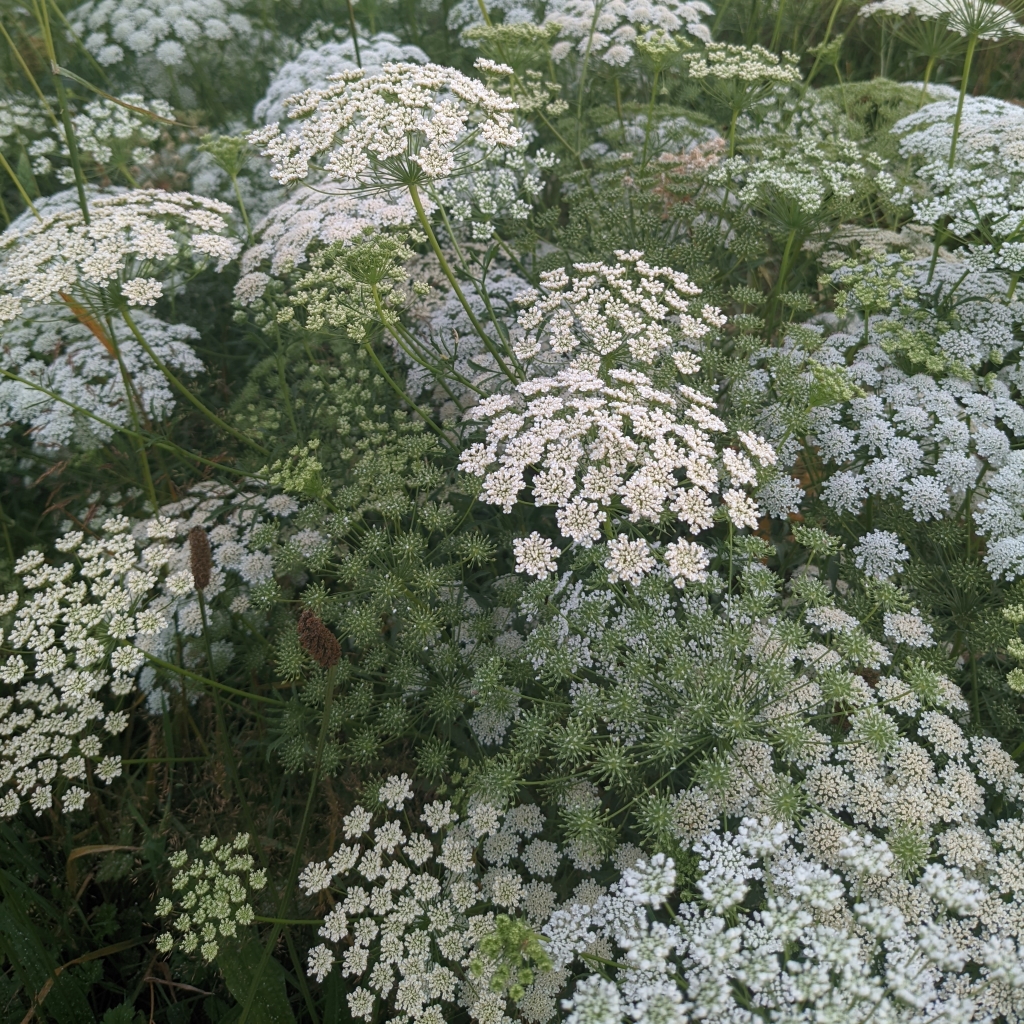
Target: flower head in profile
411, 124
132, 240
982, 19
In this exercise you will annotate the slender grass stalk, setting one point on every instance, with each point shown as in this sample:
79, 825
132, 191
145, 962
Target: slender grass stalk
300, 840
65, 111
18, 185
173, 380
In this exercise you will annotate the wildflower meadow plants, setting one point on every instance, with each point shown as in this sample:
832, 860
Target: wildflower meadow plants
511, 512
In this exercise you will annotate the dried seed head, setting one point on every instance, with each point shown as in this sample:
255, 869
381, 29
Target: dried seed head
318, 641
202, 557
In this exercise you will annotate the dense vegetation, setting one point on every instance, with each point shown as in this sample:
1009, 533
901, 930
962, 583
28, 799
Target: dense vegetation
511, 511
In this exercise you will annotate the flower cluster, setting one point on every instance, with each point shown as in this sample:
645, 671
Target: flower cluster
72, 387
74, 667
25, 131
630, 311
313, 67
602, 440
928, 440
169, 29
843, 938
211, 897
799, 155
408, 123
979, 199
752, 64
240, 528
609, 29
133, 243
604, 449
413, 909
980, 18
114, 135
307, 219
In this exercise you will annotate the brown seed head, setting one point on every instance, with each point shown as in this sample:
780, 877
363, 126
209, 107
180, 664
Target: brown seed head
202, 558
318, 641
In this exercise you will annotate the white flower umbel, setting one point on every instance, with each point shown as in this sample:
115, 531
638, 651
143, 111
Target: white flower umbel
312, 218
836, 940
113, 30
994, 20
603, 442
535, 555
608, 29
143, 233
412, 907
611, 447
308, 219
314, 66
754, 65
110, 136
79, 397
73, 669
25, 131
928, 440
979, 198
211, 897
629, 309
410, 125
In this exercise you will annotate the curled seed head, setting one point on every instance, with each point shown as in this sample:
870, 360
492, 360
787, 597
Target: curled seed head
202, 557
318, 641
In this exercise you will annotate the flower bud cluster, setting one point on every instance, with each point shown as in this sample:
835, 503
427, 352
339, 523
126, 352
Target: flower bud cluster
211, 896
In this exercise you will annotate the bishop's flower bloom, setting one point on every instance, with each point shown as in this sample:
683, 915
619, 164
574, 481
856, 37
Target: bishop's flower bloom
598, 437
113, 30
314, 67
308, 219
135, 238
980, 18
72, 391
609, 29
411, 124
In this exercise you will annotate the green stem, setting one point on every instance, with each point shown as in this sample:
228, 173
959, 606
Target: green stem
392, 383
421, 215
972, 42
940, 230
297, 855
134, 402
650, 118
823, 44
355, 34
929, 67
65, 111
283, 384
195, 677
241, 208
209, 414
18, 185
7, 536
583, 75
732, 130
777, 33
